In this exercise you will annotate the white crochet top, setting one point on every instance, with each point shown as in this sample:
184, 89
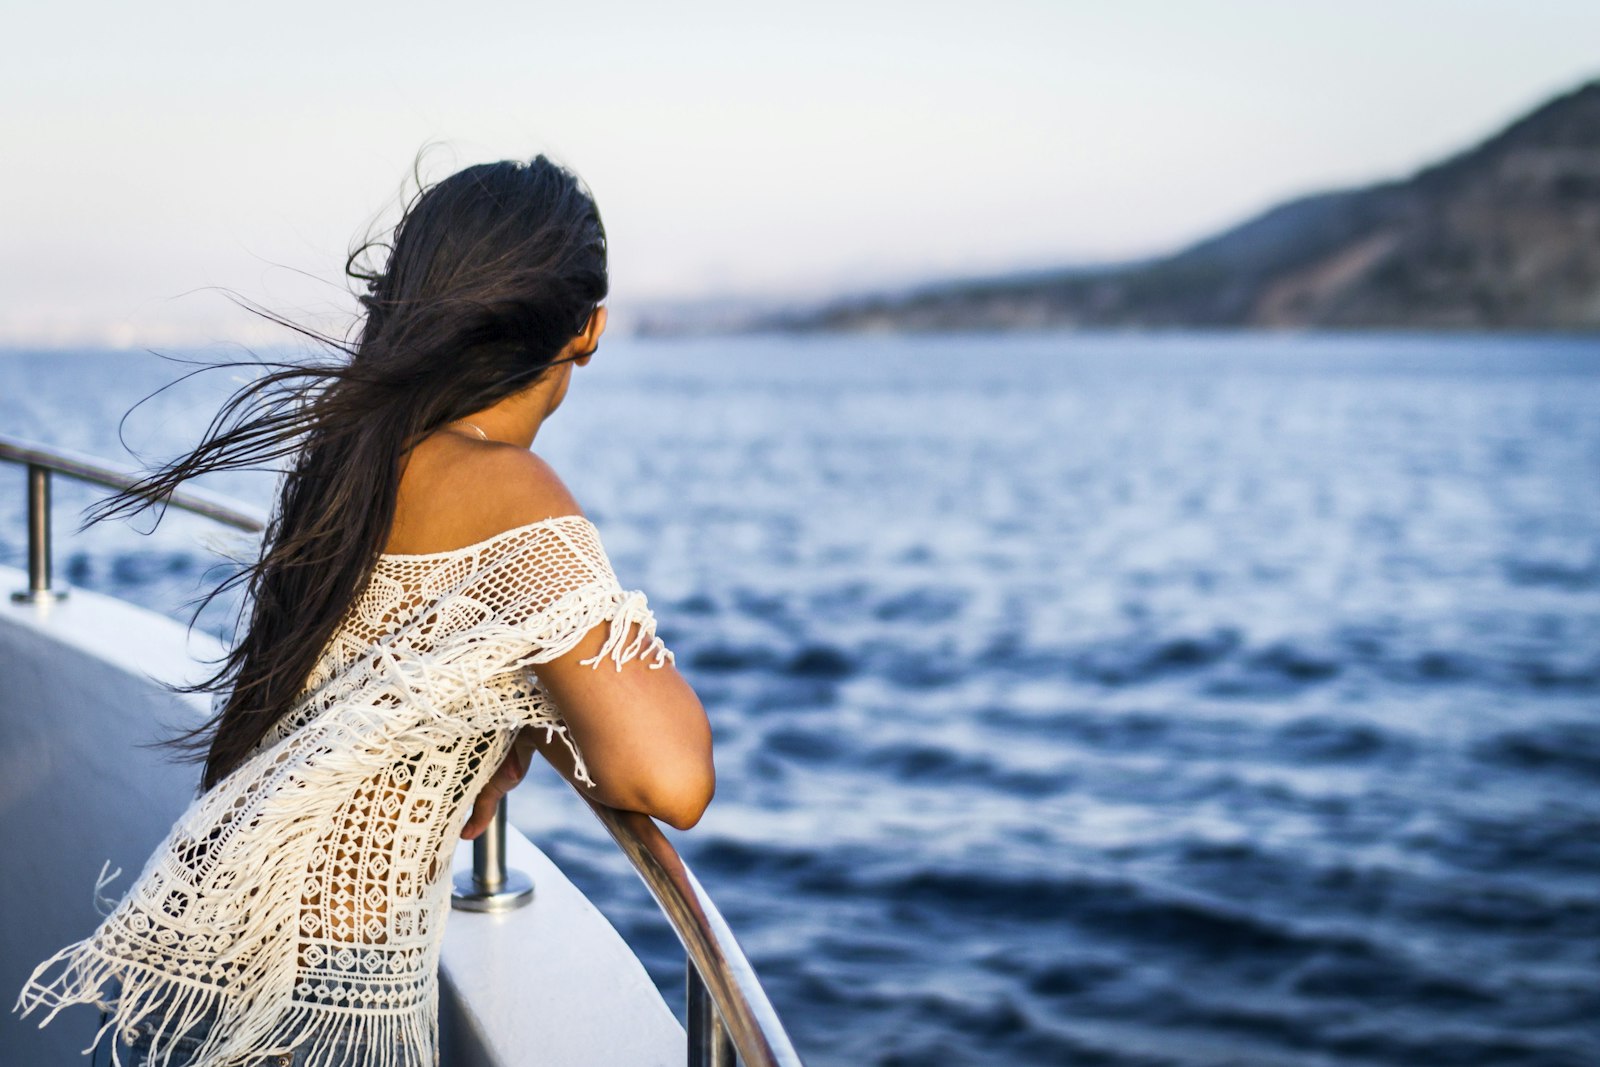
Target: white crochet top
301, 902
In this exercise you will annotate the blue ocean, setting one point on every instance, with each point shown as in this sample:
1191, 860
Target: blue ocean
1106, 701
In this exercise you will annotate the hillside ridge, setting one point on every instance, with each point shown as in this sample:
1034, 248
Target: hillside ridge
1503, 235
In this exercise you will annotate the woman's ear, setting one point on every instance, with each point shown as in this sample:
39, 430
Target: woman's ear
589, 339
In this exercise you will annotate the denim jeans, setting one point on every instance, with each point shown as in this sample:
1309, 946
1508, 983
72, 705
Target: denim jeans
179, 1049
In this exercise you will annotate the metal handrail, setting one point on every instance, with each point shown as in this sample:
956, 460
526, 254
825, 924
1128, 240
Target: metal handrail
99, 472
744, 1018
42, 461
728, 1012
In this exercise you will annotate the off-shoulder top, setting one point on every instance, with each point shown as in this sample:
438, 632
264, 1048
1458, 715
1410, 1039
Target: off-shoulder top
301, 902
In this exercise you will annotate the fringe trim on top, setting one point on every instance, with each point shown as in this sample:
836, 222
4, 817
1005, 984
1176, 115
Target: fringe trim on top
105, 905
169, 1008
633, 611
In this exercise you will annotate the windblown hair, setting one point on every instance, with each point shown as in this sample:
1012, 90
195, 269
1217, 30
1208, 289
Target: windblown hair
490, 273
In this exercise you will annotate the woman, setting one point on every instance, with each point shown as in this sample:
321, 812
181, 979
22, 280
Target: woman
429, 607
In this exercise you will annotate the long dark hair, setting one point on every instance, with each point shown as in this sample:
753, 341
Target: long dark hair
490, 273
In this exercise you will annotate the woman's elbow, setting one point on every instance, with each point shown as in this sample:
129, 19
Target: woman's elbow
682, 802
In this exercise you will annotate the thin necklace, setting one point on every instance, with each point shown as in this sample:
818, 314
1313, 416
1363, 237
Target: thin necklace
474, 425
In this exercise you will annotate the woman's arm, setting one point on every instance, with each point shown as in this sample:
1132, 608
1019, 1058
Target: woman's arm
643, 733
684, 809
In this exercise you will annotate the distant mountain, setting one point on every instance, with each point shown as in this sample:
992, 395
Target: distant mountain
1503, 236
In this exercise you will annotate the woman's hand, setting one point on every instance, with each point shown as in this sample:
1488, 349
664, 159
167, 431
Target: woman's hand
505, 779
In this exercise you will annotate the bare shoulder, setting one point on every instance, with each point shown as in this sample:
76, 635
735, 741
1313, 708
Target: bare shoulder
516, 486
456, 493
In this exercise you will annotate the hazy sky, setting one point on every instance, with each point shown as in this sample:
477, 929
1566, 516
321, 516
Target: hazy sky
738, 148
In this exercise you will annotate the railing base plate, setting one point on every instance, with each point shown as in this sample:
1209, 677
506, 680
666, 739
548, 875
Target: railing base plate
38, 596
516, 892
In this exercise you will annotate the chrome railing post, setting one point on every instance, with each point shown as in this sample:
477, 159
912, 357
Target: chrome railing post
489, 886
38, 538
710, 1044
41, 462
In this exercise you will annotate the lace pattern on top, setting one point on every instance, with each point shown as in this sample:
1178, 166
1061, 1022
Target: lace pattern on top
302, 900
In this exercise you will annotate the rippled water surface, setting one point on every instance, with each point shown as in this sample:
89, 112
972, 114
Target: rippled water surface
1094, 701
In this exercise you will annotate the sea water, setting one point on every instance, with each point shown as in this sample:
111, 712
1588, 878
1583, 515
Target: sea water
1112, 700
